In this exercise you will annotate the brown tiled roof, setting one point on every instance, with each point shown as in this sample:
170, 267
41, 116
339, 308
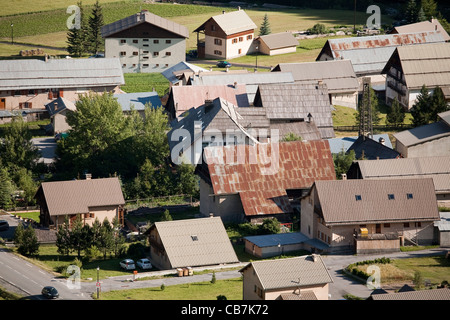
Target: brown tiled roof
211, 245
432, 294
339, 203
78, 196
291, 272
268, 171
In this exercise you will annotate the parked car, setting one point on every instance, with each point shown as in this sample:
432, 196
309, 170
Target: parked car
223, 64
4, 225
127, 264
50, 292
144, 263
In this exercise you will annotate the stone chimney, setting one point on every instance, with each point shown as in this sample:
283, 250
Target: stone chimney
344, 176
88, 176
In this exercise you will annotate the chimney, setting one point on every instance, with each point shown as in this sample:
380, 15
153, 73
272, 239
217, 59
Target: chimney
239, 8
315, 257
46, 58
88, 176
211, 215
344, 176
223, 12
381, 140
235, 85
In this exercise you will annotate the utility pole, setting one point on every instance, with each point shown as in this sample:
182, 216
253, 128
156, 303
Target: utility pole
12, 33
354, 19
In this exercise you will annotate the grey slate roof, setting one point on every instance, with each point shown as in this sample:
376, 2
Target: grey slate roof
437, 168
340, 205
338, 75
144, 17
212, 247
371, 149
423, 133
296, 101
78, 196
291, 272
58, 105
337, 144
60, 73
138, 100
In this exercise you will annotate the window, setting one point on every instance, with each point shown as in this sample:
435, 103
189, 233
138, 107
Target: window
409, 196
145, 64
124, 65
239, 51
17, 93
157, 65
156, 54
168, 53
144, 52
194, 237
418, 224
218, 52
218, 42
168, 41
391, 196
145, 58
387, 225
123, 41
358, 197
144, 39
406, 225
166, 65
135, 53
241, 39
235, 40
135, 41
213, 27
249, 37
123, 53
155, 41
145, 45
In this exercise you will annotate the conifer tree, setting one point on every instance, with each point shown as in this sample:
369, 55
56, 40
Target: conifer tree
411, 12
396, 114
95, 24
77, 36
421, 109
265, 26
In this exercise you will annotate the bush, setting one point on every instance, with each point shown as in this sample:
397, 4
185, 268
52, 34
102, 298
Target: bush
318, 28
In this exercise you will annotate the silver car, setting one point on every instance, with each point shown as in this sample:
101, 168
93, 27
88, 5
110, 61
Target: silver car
144, 263
127, 264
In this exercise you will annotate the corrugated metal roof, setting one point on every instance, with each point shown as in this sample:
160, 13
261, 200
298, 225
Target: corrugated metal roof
444, 223
144, 17
427, 64
291, 272
79, 196
445, 116
432, 294
60, 73
211, 247
297, 101
437, 168
433, 25
266, 171
278, 40
340, 205
170, 72
271, 240
423, 134
138, 100
232, 22
250, 80
338, 75
369, 54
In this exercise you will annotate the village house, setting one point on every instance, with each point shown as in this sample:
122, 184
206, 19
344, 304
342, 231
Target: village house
275, 43
370, 54
251, 80
411, 67
190, 243
251, 183
430, 139
138, 101
90, 198
30, 84
344, 143
287, 103
338, 75
370, 216
435, 167
299, 278
367, 148
227, 35
423, 26
220, 123
57, 110
145, 42
179, 74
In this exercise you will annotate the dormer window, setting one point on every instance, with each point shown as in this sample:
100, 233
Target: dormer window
409, 196
358, 197
391, 196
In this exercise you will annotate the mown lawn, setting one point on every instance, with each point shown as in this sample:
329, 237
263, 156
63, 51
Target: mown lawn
230, 288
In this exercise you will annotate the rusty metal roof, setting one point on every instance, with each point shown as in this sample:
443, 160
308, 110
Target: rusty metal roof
369, 54
267, 171
433, 25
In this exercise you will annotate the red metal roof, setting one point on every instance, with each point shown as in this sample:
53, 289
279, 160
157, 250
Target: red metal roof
263, 178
